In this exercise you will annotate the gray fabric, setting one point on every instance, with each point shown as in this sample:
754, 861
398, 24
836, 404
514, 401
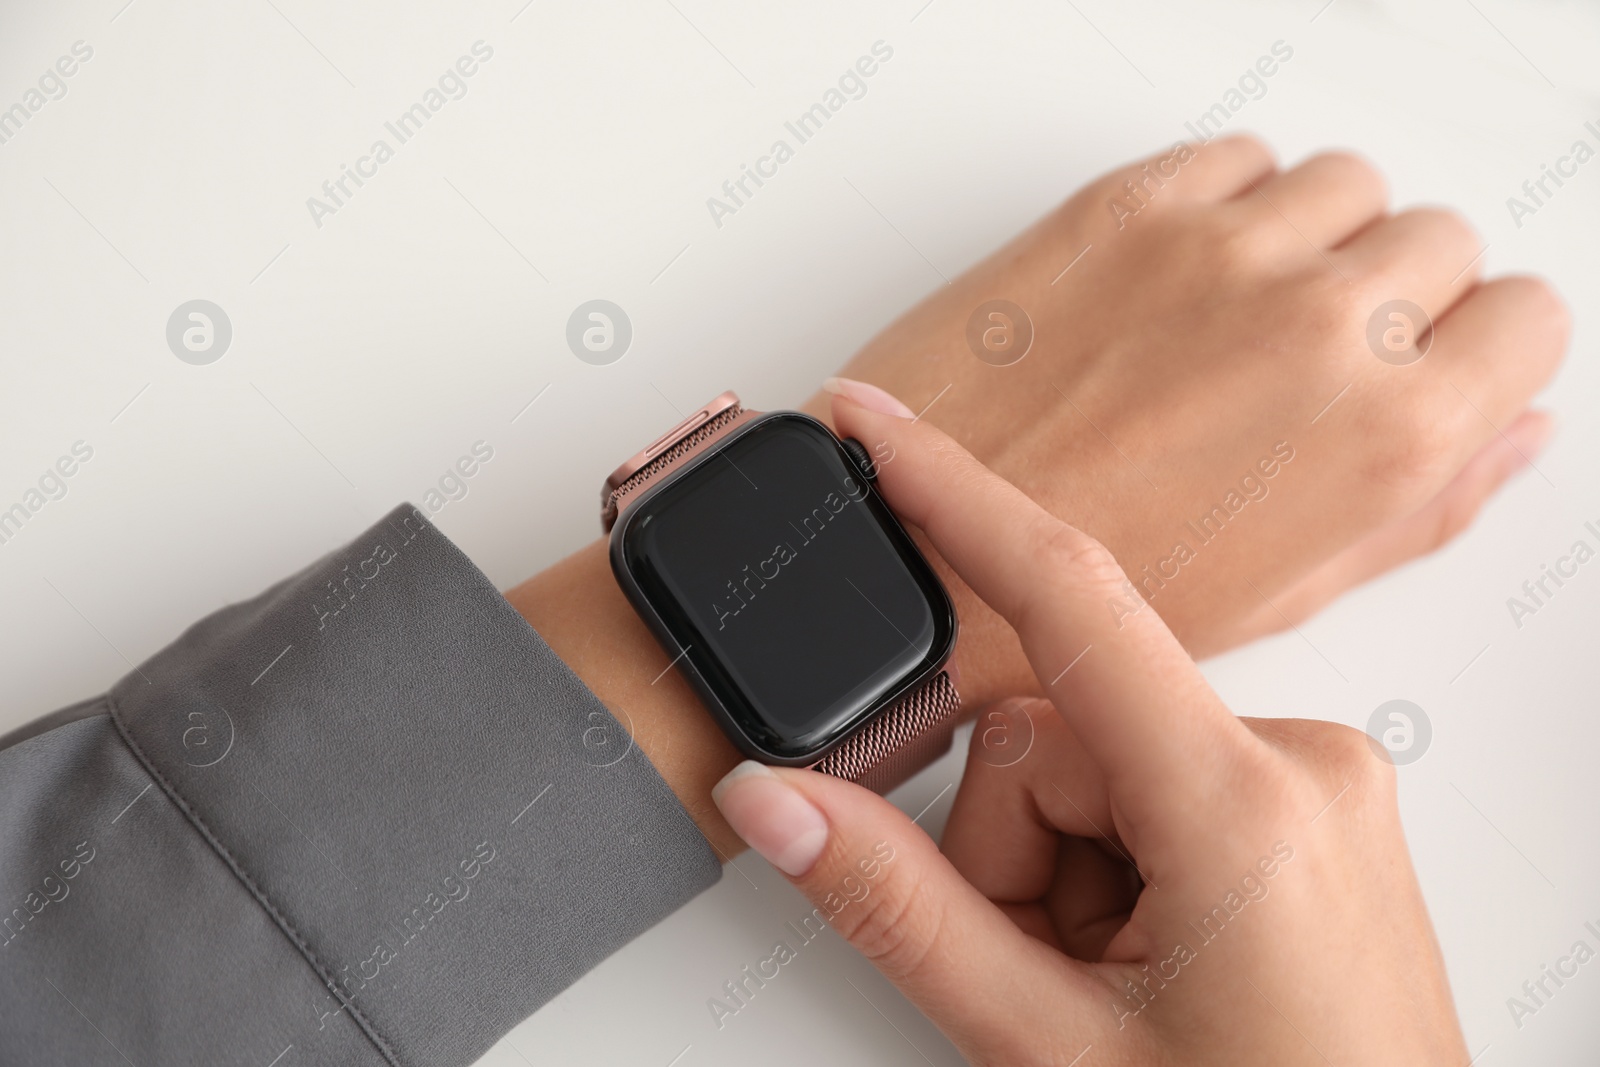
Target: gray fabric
44, 723
373, 817
143, 944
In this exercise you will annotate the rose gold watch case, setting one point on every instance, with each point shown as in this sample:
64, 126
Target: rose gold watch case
617, 493
880, 752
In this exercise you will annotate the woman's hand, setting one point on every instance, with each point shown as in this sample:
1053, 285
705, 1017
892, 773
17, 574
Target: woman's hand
1221, 320
1277, 920
1220, 324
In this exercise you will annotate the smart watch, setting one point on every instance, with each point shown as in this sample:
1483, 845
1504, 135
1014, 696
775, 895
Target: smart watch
757, 549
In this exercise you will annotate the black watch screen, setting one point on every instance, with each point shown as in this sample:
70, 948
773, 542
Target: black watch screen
795, 598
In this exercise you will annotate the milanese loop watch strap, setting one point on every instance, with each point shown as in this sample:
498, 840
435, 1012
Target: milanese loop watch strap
686, 439
897, 742
900, 741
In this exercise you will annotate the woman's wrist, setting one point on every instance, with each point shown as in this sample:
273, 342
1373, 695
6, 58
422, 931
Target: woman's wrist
579, 611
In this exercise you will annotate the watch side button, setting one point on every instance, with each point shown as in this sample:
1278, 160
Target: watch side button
861, 458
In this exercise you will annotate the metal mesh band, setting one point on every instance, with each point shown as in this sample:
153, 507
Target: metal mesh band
662, 463
901, 741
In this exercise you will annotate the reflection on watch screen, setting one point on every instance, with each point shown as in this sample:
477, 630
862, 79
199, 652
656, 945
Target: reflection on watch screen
801, 602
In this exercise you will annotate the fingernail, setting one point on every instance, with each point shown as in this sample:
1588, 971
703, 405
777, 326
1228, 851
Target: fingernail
868, 396
773, 818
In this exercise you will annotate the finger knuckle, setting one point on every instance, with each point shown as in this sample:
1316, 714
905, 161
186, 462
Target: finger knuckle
1110, 185
1443, 226
1350, 757
1422, 446
1239, 250
1240, 157
1410, 451
1073, 558
895, 931
1244, 144
1273, 782
1343, 307
1305, 762
1324, 305
1353, 172
1545, 315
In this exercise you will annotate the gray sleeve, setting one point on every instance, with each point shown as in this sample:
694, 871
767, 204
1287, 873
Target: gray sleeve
365, 818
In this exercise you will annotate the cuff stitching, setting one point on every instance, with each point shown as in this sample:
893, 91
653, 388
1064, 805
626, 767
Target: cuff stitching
255, 890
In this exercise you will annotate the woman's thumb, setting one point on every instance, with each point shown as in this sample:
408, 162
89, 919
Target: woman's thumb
882, 883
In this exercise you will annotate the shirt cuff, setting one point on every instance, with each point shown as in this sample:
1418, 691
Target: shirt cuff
425, 801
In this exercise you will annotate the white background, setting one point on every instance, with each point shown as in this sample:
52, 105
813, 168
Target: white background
371, 352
